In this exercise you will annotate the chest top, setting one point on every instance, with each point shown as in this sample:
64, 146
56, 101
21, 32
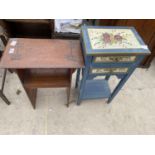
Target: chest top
42, 53
112, 40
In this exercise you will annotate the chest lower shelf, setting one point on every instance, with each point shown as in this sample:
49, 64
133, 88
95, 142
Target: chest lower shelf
96, 89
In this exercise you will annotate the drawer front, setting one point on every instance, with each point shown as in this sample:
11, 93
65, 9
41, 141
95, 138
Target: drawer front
109, 70
114, 59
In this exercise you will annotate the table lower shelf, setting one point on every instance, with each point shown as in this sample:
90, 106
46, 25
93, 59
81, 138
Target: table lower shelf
44, 78
46, 81
95, 89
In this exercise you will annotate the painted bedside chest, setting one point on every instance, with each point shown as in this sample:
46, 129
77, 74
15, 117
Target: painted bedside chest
108, 51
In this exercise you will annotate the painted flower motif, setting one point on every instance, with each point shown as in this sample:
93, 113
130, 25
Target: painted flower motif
106, 38
118, 37
110, 38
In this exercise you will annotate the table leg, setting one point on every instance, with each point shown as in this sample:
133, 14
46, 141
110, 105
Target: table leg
82, 86
68, 96
77, 77
32, 93
69, 87
4, 98
2, 88
124, 79
120, 85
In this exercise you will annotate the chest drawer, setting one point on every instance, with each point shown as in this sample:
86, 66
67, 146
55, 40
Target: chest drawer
114, 59
109, 70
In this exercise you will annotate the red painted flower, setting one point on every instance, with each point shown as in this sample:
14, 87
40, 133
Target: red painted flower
106, 38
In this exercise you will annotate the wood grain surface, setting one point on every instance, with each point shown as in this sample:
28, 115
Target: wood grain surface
42, 53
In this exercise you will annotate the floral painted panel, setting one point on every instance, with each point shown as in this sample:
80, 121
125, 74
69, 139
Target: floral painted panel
99, 59
112, 39
109, 70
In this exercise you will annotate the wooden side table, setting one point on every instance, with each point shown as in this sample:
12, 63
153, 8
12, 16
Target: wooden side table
42, 63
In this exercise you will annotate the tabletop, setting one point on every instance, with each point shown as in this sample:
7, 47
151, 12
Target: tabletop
42, 53
113, 40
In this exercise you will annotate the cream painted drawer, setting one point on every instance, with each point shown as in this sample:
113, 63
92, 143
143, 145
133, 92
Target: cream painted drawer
109, 70
105, 59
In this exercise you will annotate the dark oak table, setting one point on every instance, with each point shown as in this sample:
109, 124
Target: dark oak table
43, 63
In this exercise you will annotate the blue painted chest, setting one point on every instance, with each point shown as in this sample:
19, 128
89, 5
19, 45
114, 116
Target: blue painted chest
108, 51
